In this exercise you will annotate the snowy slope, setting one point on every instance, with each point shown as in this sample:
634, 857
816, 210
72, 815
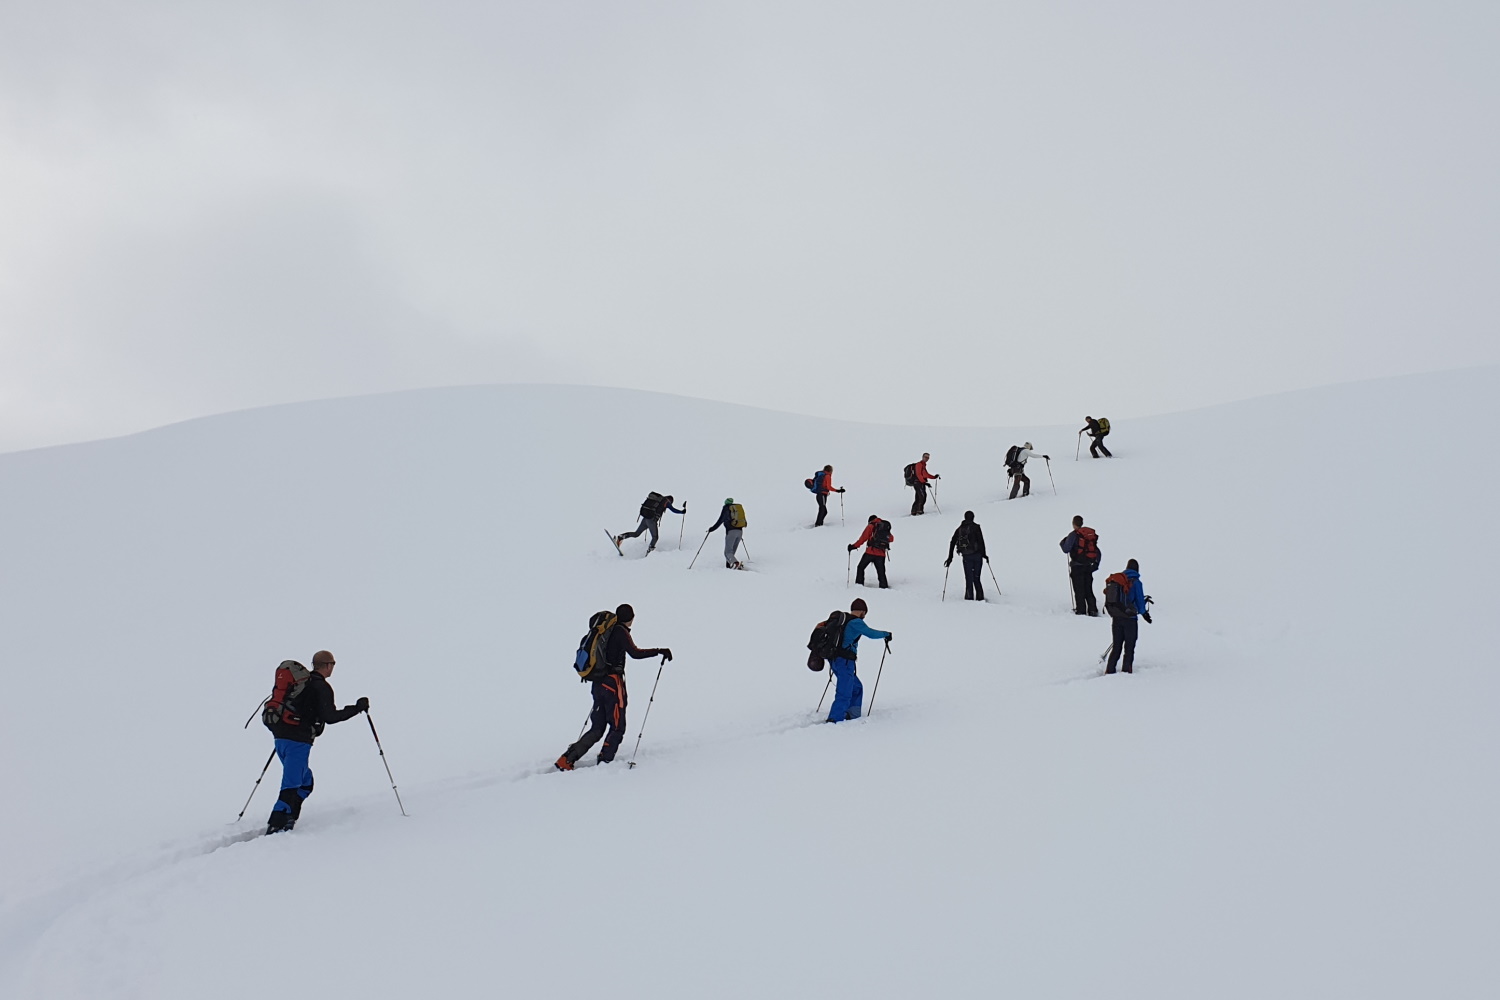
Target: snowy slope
1291, 798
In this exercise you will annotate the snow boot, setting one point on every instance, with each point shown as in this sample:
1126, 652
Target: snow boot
563, 763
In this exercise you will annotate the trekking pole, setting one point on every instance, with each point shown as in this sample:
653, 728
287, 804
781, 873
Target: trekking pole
647, 716
683, 526
384, 761
1077, 449
255, 713
934, 500
268, 767
745, 547
992, 575
848, 566
825, 692
876, 689
841, 509
700, 548
1049, 477
947, 567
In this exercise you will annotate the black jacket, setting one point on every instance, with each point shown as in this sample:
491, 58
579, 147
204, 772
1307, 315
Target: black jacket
619, 643
316, 708
976, 539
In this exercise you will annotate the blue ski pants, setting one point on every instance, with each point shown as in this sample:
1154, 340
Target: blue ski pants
296, 782
848, 694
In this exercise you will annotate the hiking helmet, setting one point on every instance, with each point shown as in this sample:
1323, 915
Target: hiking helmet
625, 613
859, 605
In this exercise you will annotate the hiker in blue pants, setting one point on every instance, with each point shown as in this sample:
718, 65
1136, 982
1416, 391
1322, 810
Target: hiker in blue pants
849, 695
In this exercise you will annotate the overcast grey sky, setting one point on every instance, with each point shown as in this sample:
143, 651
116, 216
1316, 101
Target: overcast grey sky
917, 212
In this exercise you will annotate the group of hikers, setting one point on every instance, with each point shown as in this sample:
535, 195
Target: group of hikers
302, 701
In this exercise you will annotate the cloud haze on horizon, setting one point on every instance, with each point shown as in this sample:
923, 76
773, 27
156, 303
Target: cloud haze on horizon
955, 213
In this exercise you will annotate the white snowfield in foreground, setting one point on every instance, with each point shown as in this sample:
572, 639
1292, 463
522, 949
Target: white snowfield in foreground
1294, 796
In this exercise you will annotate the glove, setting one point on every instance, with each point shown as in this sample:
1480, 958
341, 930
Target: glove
839, 490
849, 548
937, 477
666, 656
1047, 457
948, 562
363, 704
1146, 615
1149, 600
889, 638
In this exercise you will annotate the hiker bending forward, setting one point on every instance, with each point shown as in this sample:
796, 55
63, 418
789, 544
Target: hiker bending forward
849, 696
610, 699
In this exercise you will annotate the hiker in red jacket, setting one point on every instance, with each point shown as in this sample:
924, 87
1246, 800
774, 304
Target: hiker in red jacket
878, 534
920, 477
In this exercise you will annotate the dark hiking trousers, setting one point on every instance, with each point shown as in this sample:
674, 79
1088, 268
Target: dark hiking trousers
1021, 480
822, 509
878, 562
1084, 602
973, 586
1124, 630
920, 500
650, 524
1097, 445
608, 715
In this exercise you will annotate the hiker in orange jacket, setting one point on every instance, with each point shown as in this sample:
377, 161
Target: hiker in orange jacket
878, 534
920, 478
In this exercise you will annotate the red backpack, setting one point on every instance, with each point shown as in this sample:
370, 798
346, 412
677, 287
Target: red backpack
1087, 549
291, 678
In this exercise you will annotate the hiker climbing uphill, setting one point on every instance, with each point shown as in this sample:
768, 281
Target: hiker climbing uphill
652, 509
732, 520
1015, 467
1082, 546
917, 477
601, 661
300, 706
878, 535
968, 541
1097, 430
1124, 599
821, 484
849, 695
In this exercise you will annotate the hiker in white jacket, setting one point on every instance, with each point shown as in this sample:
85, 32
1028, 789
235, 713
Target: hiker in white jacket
1015, 465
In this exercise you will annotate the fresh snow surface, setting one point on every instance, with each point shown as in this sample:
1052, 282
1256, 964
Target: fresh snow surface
1292, 797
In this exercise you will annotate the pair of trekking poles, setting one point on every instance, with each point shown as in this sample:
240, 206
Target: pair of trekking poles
873, 691
948, 567
378, 746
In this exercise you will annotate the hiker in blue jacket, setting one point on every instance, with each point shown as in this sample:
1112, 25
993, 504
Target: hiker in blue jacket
1124, 599
849, 696
732, 535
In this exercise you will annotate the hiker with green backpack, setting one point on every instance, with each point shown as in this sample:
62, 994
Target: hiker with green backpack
601, 660
732, 520
1098, 430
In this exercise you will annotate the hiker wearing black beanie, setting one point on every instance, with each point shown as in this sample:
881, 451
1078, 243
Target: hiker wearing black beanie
610, 698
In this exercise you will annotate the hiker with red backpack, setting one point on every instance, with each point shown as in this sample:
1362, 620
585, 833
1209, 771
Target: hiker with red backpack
1124, 599
301, 704
849, 695
968, 539
917, 477
821, 484
652, 509
1082, 546
878, 534
601, 660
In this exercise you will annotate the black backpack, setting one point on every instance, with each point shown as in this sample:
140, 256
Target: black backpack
653, 506
910, 472
1116, 590
968, 540
880, 538
1011, 456
827, 639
